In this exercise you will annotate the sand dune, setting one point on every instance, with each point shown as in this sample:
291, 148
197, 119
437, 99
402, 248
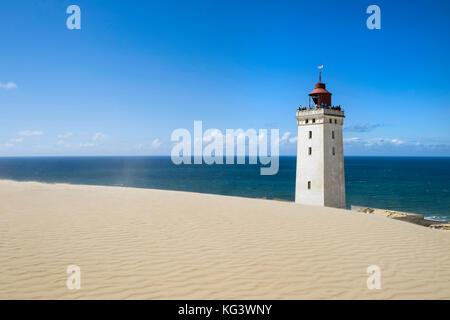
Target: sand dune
154, 244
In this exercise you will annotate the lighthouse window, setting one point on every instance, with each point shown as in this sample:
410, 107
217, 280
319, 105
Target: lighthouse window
309, 185
335, 121
310, 134
331, 120
306, 121
314, 120
310, 151
334, 151
332, 134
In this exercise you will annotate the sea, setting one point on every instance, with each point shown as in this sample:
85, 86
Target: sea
411, 184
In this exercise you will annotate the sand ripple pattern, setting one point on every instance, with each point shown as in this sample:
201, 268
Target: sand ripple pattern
154, 244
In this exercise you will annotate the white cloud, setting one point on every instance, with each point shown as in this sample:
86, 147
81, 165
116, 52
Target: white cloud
95, 140
375, 141
8, 85
87, 144
8, 145
17, 140
65, 135
285, 137
63, 143
293, 140
156, 143
397, 141
354, 139
383, 141
393, 143
98, 136
28, 133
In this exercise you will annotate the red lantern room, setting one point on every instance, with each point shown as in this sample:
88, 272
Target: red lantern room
320, 96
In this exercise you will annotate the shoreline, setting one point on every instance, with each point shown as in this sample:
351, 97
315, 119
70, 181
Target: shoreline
415, 218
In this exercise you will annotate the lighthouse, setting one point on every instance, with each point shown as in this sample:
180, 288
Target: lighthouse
320, 178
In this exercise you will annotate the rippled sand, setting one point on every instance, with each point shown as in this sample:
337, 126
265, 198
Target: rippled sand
153, 244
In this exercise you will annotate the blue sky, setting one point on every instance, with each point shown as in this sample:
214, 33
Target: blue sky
138, 70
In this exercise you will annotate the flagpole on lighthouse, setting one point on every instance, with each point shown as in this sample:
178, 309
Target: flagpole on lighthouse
320, 73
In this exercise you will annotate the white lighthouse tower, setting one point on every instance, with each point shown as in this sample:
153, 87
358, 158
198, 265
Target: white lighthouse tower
320, 177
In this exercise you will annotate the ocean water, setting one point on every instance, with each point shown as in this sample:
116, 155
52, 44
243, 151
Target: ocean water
412, 184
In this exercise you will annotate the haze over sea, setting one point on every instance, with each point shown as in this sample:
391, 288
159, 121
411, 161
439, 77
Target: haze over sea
411, 184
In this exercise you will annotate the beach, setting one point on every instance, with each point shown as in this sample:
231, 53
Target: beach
133, 243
